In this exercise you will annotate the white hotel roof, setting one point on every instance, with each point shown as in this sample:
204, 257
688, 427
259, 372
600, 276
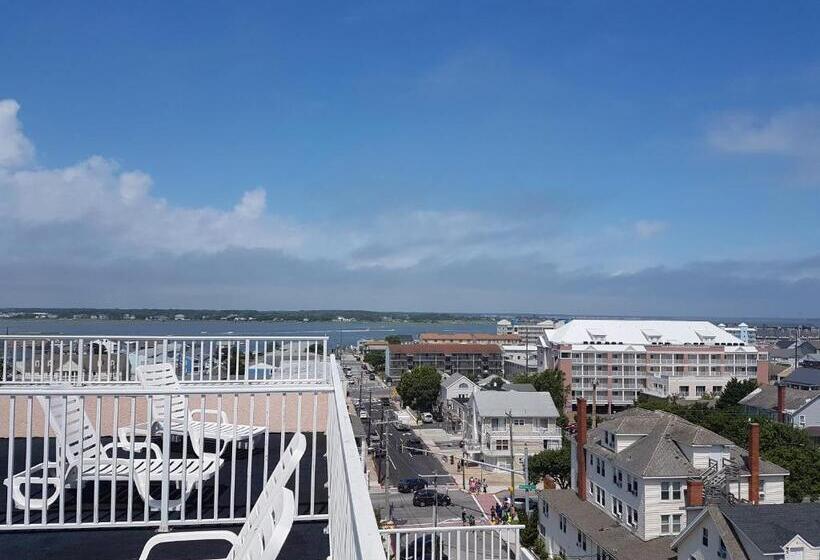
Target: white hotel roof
638, 332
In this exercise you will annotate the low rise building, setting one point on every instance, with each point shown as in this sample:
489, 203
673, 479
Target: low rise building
751, 532
620, 359
519, 358
468, 338
803, 378
797, 407
500, 425
631, 477
471, 360
747, 334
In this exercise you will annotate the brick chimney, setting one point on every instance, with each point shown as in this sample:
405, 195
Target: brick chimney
581, 441
694, 493
781, 403
694, 499
754, 462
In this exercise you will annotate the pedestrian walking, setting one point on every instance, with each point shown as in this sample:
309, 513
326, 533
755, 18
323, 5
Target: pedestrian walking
463, 516
484, 483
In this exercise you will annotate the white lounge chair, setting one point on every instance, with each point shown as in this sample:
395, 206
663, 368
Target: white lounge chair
268, 523
163, 376
82, 458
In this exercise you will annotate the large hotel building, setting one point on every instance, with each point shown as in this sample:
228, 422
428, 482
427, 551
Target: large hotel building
622, 358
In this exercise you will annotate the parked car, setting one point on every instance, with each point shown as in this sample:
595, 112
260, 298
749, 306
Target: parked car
400, 427
363, 414
427, 547
520, 503
372, 377
407, 485
427, 497
426, 417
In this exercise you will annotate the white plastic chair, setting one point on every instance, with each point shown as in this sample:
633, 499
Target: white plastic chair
163, 376
268, 523
82, 458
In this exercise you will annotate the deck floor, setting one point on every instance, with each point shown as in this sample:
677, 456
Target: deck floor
306, 541
212, 506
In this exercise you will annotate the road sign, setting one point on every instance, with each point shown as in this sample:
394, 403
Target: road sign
530, 487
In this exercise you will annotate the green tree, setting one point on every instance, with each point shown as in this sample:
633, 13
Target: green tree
496, 384
552, 462
393, 339
734, 391
551, 380
376, 359
529, 534
419, 388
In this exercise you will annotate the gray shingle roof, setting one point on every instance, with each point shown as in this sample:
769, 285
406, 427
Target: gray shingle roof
765, 398
730, 540
659, 453
520, 404
770, 526
453, 379
804, 376
605, 531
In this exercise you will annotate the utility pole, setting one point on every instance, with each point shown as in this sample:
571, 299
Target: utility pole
361, 386
526, 479
463, 469
369, 413
435, 478
387, 470
512, 455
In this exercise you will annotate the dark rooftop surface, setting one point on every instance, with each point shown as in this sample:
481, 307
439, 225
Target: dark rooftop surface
770, 526
238, 465
306, 541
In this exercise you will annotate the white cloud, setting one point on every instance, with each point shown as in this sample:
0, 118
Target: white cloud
112, 211
792, 133
15, 148
649, 228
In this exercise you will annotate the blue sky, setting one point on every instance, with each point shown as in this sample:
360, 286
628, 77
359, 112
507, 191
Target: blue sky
644, 158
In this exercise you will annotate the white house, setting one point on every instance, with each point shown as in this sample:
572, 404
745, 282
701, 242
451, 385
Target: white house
797, 407
491, 415
633, 474
747, 532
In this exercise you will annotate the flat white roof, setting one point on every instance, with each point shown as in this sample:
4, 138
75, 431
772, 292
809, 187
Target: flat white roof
626, 332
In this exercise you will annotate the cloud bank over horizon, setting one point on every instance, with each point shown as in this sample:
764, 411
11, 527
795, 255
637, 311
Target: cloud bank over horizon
91, 233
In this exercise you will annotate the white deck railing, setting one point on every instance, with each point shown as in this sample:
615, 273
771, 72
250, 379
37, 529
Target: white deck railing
81, 451
481, 542
352, 524
83, 360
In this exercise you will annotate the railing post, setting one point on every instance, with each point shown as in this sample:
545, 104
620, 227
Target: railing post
166, 458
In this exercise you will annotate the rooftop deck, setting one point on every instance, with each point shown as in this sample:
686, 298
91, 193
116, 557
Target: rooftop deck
95, 462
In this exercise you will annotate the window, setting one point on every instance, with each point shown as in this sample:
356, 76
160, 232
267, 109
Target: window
618, 478
518, 421
670, 490
705, 537
562, 523
632, 516
700, 390
582, 541
617, 507
670, 524
721, 549
502, 444
600, 496
545, 508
